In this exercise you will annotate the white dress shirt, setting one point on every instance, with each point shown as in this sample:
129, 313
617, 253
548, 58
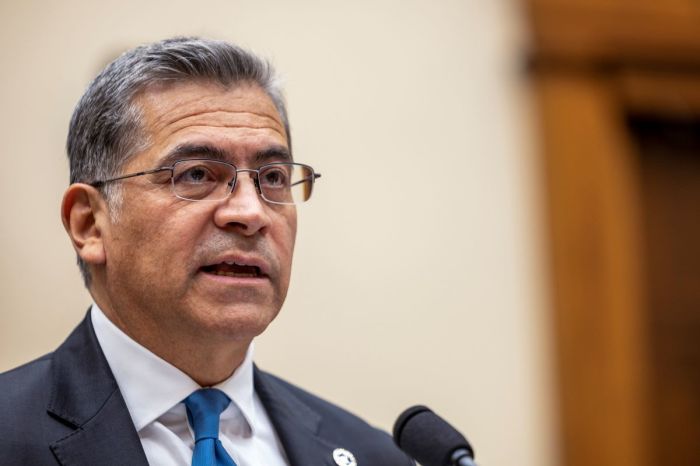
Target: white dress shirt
153, 390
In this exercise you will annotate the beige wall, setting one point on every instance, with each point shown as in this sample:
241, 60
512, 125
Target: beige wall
419, 272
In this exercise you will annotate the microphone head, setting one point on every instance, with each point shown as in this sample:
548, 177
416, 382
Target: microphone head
427, 437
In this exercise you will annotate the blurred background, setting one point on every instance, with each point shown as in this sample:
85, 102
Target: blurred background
507, 225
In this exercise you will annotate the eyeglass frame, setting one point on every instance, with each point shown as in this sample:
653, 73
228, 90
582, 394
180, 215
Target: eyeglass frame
231, 184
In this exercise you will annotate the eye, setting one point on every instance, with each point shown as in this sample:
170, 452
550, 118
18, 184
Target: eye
275, 177
194, 174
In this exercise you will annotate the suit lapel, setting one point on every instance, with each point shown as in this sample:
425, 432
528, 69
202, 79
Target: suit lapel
295, 422
86, 397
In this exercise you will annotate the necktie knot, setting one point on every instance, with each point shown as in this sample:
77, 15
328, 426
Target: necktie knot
203, 410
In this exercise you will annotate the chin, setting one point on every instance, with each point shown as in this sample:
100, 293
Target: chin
240, 322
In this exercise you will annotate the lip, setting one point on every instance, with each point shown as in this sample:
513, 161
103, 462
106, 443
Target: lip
241, 259
234, 282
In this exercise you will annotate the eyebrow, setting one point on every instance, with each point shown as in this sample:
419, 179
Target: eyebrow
184, 151
208, 151
273, 152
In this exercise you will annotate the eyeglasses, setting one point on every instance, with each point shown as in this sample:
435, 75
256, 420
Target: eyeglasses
213, 180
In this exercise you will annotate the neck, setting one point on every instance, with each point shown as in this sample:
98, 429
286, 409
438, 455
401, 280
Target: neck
207, 367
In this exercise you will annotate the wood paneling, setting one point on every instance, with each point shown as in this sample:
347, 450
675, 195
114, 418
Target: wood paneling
669, 154
595, 247
653, 92
625, 293
598, 32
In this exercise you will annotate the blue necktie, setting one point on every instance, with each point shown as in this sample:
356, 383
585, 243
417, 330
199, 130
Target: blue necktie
203, 410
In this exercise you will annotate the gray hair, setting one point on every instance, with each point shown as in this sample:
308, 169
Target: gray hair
105, 130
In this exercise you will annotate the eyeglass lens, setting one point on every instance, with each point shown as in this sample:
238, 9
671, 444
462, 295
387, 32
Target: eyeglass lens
283, 183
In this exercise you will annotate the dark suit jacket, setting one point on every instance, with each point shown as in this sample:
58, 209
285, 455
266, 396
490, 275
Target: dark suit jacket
66, 409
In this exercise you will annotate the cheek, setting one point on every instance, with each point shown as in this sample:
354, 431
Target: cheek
154, 248
288, 238
282, 239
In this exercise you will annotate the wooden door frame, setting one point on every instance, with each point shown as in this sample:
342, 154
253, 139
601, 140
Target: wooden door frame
592, 64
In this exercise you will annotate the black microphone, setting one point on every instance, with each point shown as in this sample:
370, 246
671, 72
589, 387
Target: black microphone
430, 440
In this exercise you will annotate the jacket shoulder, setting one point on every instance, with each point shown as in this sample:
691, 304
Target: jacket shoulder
331, 412
24, 396
345, 428
25, 385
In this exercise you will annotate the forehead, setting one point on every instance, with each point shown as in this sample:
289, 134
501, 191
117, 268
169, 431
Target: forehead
235, 120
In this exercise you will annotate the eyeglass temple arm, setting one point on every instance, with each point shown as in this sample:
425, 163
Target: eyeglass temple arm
98, 183
316, 176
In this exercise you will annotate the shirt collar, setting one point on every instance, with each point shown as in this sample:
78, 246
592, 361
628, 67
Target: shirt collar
153, 386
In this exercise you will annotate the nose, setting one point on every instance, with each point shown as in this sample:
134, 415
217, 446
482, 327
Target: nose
243, 210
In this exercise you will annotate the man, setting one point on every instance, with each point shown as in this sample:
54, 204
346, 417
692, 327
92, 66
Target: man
182, 212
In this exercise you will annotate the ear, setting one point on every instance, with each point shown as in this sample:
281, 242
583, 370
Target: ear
85, 216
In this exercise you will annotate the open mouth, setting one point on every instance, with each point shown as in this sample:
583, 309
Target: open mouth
232, 269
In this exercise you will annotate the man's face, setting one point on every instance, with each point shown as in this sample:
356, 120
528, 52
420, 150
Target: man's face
213, 269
